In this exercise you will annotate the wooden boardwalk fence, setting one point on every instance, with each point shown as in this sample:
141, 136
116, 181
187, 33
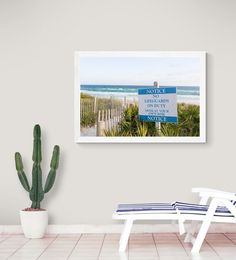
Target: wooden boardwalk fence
87, 105
108, 119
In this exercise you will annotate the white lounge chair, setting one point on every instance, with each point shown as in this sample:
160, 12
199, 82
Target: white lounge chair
215, 206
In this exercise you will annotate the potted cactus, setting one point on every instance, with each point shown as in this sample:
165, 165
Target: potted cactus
34, 220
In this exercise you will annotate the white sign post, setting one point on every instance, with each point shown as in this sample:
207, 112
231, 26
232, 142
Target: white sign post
158, 105
157, 124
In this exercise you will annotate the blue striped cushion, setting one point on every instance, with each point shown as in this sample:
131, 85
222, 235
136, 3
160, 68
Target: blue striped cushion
190, 208
143, 208
170, 208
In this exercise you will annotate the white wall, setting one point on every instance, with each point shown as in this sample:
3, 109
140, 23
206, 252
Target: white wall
37, 44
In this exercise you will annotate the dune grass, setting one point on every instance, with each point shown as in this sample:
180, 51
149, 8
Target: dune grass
88, 118
130, 125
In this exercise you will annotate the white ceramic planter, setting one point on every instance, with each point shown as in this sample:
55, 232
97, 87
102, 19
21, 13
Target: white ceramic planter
34, 223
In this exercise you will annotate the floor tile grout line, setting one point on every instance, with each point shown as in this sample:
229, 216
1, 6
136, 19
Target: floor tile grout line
213, 249
200, 248
158, 256
5, 238
47, 247
18, 249
188, 254
211, 246
229, 238
99, 253
74, 247
183, 246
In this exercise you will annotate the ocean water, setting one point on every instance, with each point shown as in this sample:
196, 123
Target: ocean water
186, 94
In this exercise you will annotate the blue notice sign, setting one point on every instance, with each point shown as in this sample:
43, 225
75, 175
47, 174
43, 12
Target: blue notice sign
158, 105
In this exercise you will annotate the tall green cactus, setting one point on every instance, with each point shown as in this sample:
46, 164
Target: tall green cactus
36, 192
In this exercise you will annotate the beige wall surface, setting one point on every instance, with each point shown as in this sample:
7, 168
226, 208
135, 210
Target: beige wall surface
37, 44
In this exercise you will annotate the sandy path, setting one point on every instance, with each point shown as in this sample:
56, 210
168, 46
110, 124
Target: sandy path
88, 131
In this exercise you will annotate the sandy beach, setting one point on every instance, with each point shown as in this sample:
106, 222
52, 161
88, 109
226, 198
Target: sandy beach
88, 131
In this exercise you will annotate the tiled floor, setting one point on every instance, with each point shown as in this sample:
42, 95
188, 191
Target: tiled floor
168, 246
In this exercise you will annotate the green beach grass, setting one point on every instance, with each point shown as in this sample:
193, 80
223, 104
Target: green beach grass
88, 118
130, 125
188, 123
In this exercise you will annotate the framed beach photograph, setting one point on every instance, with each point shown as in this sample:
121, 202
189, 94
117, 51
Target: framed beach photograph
140, 97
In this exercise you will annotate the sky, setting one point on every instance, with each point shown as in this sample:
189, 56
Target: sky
174, 71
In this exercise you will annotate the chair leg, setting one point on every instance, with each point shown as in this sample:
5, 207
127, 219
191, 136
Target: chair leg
123, 255
192, 230
194, 224
200, 237
125, 235
204, 227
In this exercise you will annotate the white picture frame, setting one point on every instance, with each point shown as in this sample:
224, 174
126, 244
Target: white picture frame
82, 58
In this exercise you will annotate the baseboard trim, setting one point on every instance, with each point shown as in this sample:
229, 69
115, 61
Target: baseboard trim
137, 228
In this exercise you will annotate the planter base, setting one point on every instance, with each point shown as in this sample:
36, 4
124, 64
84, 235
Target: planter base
34, 223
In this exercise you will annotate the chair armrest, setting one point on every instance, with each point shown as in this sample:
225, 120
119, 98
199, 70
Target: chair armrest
205, 192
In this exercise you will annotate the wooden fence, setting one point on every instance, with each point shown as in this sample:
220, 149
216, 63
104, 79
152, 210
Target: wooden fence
87, 105
92, 105
108, 119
